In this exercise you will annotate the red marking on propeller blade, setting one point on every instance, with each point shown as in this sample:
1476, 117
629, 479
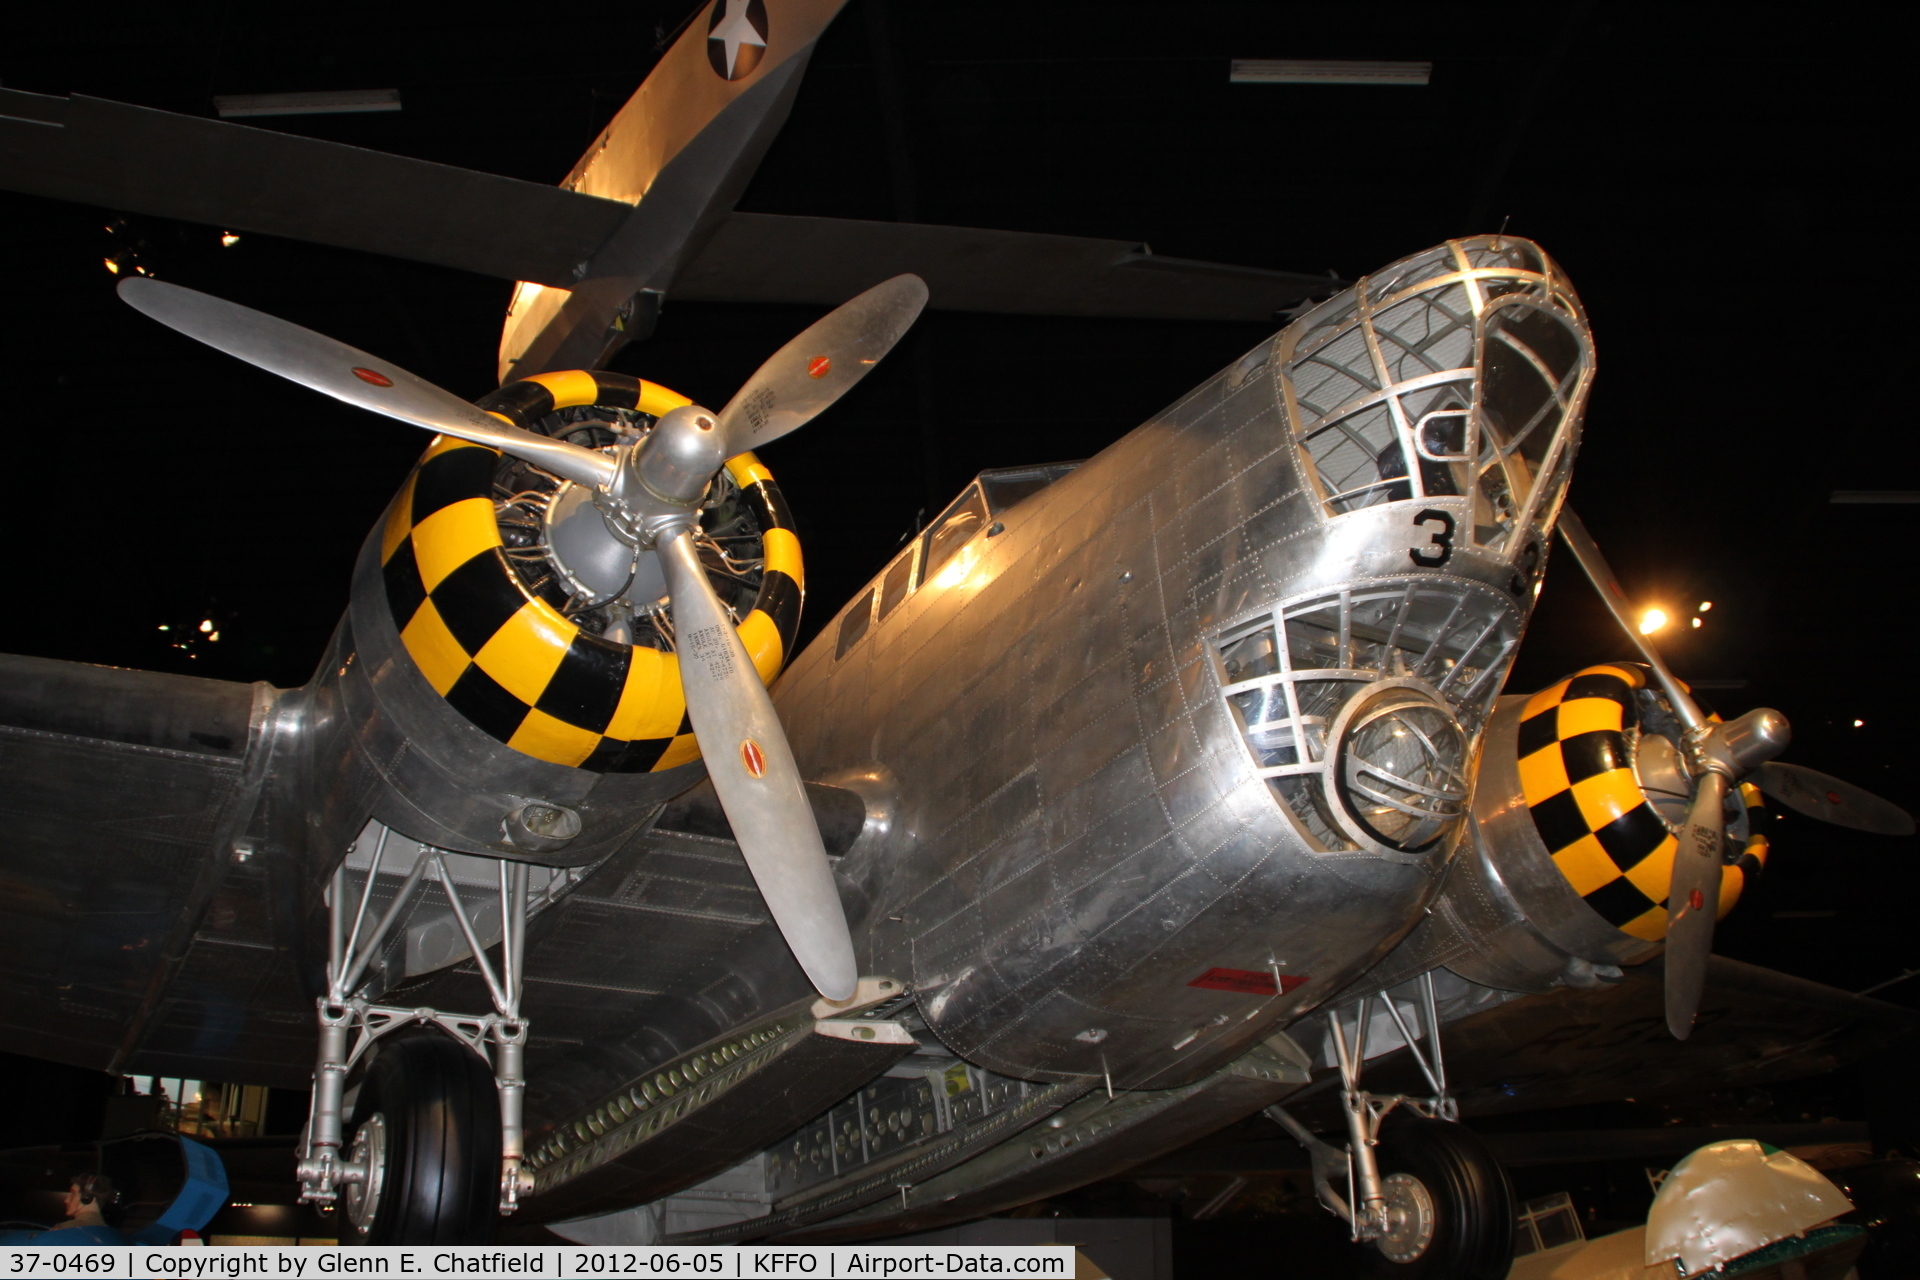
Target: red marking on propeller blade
753, 759
819, 367
368, 375
1833, 797
1696, 900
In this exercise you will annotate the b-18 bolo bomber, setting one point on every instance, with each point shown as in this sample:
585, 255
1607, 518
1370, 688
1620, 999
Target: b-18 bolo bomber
1133, 797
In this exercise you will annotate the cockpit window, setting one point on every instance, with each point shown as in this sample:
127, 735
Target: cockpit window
958, 523
1009, 486
1452, 374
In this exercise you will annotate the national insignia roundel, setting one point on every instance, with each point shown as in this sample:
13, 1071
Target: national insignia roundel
736, 37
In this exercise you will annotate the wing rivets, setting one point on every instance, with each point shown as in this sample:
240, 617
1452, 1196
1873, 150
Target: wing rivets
753, 758
819, 367
372, 376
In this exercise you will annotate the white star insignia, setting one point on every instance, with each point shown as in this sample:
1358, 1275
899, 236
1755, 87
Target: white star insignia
734, 30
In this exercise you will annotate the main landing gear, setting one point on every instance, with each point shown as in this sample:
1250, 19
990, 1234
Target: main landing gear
1422, 1193
434, 1148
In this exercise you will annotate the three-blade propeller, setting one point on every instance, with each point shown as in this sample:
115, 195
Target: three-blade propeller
1720, 755
746, 751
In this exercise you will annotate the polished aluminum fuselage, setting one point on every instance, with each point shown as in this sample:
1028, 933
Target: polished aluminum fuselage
1075, 829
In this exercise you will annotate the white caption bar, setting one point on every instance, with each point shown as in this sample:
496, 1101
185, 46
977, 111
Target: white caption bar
247, 1262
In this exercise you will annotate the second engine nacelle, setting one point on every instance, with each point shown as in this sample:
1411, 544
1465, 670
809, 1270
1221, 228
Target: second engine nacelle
1581, 794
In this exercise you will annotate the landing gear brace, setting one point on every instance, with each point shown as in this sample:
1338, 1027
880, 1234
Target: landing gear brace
325, 1172
1394, 1213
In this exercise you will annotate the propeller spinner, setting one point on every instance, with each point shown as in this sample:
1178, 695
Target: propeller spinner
1720, 755
648, 492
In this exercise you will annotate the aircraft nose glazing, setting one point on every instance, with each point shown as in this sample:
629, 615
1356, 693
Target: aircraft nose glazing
1456, 377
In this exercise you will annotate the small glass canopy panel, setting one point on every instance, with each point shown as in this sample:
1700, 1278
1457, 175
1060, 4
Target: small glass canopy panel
1457, 373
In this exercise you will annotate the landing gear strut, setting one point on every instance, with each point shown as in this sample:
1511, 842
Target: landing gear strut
1421, 1190
430, 1139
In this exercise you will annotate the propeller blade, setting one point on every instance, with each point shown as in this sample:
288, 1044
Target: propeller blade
753, 771
364, 381
822, 364
1693, 900
1817, 795
1573, 531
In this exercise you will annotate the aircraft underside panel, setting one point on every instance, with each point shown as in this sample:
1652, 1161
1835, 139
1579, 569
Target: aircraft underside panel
126, 867
229, 175
1086, 1140
1577, 1045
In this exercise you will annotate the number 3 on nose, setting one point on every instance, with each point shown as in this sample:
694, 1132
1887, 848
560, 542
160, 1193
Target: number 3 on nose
1443, 539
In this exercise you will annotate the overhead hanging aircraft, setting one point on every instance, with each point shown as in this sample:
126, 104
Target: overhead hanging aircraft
1134, 796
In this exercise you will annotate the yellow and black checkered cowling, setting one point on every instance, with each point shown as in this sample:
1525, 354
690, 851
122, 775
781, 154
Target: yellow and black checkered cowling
511, 663
1576, 773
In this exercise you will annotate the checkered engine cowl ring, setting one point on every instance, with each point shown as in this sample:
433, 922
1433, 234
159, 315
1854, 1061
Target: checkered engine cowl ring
1576, 773
515, 666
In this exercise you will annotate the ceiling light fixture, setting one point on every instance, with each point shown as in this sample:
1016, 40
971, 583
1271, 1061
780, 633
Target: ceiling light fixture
1324, 71
327, 102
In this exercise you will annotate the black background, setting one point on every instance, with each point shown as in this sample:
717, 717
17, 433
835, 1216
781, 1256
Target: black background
1721, 184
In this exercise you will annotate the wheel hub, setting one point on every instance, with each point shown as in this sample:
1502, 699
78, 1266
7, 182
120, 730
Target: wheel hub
1409, 1218
369, 1151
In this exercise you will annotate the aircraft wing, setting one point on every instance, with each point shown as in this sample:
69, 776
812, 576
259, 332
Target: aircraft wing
120, 833
1570, 1047
238, 178
759, 257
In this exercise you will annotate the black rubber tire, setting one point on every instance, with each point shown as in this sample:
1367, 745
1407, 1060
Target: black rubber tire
441, 1109
1472, 1201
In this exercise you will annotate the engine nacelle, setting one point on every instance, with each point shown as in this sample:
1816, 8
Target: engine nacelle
494, 689
1579, 800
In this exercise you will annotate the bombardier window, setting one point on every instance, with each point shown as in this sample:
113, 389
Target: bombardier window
950, 532
1530, 378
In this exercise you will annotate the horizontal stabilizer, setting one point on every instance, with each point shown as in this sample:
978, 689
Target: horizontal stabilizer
239, 178
759, 257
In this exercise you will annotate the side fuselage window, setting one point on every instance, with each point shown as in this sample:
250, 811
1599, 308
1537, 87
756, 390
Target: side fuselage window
898, 583
854, 625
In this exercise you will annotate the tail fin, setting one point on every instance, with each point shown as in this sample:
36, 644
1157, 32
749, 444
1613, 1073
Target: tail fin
680, 152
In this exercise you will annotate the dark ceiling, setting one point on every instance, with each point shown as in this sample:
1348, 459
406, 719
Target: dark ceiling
1723, 189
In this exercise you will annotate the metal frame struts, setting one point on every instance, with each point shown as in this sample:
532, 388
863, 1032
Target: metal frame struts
1365, 1206
323, 1168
